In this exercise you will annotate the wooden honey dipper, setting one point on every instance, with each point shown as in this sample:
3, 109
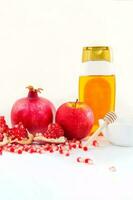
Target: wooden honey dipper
109, 118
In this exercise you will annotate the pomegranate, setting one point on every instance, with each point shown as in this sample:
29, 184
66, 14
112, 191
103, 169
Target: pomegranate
54, 134
34, 112
54, 131
3, 126
18, 131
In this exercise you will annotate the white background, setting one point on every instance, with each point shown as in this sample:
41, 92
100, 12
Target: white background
41, 44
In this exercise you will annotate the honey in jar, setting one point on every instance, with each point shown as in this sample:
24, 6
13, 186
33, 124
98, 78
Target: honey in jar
97, 81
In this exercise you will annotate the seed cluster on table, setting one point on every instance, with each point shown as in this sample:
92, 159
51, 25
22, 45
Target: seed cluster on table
63, 149
18, 134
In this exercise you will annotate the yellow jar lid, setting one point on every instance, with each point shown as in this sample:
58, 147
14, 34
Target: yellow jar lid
96, 53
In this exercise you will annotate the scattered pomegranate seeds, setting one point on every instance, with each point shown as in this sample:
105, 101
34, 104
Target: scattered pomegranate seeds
64, 148
84, 160
54, 131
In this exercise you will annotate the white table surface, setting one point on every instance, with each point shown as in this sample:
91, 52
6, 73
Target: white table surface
56, 177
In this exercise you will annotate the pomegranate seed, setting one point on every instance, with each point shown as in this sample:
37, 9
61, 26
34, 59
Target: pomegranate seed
80, 146
74, 146
19, 151
32, 150
79, 159
12, 149
48, 148
61, 151
51, 151
67, 154
95, 143
1, 150
85, 148
26, 148
1, 136
86, 160
69, 146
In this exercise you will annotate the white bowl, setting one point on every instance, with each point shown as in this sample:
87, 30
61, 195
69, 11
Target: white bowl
119, 133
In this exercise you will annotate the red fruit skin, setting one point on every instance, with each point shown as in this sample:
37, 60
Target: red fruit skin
76, 119
35, 113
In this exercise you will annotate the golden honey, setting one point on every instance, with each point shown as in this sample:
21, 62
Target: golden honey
97, 87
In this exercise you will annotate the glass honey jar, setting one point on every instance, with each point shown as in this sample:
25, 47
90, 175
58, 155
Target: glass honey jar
97, 83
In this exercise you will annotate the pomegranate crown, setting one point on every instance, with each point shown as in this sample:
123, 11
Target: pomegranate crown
32, 89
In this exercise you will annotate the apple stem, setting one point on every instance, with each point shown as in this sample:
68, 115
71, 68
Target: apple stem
76, 102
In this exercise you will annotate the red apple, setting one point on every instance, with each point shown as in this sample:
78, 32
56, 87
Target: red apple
76, 118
